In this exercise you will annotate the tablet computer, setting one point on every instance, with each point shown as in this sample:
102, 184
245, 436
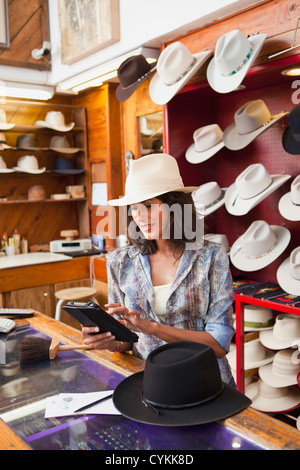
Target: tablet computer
91, 314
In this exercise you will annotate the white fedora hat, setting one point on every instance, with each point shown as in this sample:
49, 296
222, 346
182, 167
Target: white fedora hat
257, 318
208, 140
285, 333
208, 198
259, 246
252, 186
149, 177
59, 143
234, 55
255, 355
4, 125
250, 121
175, 66
289, 204
271, 399
55, 120
3, 167
221, 239
29, 164
283, 371
288, 273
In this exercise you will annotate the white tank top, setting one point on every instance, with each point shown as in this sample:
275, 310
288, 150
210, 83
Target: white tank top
161, 295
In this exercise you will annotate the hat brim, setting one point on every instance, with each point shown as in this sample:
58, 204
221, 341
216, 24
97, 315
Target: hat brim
248, 365
285, 280
122, 93
227, 84
287, 209
272, 405
283, 380
235, 205
7, 170
125, 201
235, 141
289, 143
192, 156
240, 260
65, 128
33, 172
67, 150
70, 171
161, 93
5, 127
127, 398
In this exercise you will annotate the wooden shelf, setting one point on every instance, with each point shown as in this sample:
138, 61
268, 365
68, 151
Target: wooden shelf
26, 201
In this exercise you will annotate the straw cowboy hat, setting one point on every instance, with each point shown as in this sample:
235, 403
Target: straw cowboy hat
234, 55
283, 370
259, 246
175, 66
288, 273
26, 142
255, 355
208, 198
271, 399
4, 125
3, 167
252, 186
181, 385
150, 176
257, 318
285, 333
3, 144
59, 143
289, 204
29, 164
131, 74
208, 140
250, 121
291, 135
55, 120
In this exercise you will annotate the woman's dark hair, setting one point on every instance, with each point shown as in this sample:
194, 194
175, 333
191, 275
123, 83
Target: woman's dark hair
181, 206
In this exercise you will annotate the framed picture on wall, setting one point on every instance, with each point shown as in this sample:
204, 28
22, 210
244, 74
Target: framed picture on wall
4, 25
87, 26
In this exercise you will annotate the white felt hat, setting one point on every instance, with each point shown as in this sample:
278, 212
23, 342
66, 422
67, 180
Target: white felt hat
283, 370
285, 333
255, 355
3, 167
271, 399
4, 125
55, 120
288, 273
289, 204
208, 198
208, 140
29, 164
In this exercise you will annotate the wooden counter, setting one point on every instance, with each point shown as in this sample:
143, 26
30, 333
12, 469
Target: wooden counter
260, 428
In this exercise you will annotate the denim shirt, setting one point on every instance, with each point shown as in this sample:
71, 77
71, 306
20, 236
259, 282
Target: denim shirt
200, 298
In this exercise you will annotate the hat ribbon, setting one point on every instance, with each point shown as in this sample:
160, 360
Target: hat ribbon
239, 247
183, 73
256, 324
216, 201
239, 67
140, 78
248, 198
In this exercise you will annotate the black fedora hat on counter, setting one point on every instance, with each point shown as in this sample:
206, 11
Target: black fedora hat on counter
65, 165
132, 73
291, 135
180, 386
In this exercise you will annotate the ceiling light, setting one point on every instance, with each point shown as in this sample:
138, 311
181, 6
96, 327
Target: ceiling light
295, 72
25, 90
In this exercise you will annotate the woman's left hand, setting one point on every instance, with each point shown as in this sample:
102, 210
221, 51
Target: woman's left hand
131, 318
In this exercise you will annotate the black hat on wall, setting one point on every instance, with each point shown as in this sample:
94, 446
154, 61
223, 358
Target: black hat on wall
291, 135
132, 73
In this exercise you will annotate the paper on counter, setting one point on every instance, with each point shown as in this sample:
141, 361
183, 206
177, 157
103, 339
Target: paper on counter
64, 404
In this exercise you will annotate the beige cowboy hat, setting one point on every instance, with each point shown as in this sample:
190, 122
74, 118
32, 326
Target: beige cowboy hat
3, 144
208, 198
285, 333
283, 371
251, 120
60, 143
3, 167
234, 55
271, 399
29, 164
4, 125
289, 204
255, 355
208, 140
257, 318
55, 120
252, 186
175, 66
288, 273
149, 177
259, 246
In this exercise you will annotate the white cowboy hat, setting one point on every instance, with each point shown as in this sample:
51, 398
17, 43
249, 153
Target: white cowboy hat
257, 318
252, 186
271, 399
4, 125
3, 144
289, 204
283, 370
234, 54
288, 273
255, 355
218, 238
175, 66
285, 333
208, 198
29, 164
208, 140
251, 120
259, 246
150, 176
55, 120
59, 143
3, 167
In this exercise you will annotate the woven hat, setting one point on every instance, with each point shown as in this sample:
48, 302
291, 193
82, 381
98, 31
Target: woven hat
59, 143
285, 333
250, 121
175, 66
29, 164
259, 246
283, 370
289, 203
208, 140
3, 167
271, 399
180, 385
288, 273
291, 135
255, 355
26, 142
234, 55
250, 188
150, 176
208, 198
131, 74
55, 120
4, 125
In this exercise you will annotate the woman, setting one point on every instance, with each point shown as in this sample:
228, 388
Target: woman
168, 285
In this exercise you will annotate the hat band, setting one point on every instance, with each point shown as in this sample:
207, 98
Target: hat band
294, 204
216, 201
239, 247
255, 195
140, 78
239, 67
183, 74
256, 324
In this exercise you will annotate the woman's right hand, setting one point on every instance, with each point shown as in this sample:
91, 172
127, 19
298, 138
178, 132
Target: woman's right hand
96, 341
